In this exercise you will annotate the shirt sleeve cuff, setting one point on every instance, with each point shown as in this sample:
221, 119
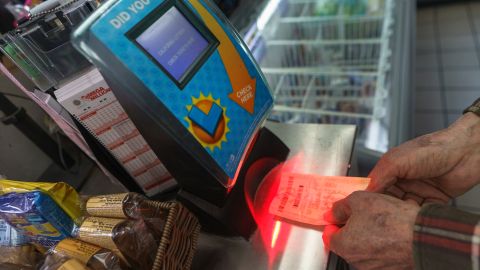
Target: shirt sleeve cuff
446, 238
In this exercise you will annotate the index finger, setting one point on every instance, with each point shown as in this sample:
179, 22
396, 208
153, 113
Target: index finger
383, 175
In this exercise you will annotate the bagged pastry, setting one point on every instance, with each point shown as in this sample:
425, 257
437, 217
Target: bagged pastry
95, 257
62, 263
128, 205
131, 240
9, 266
20, 256
123, 205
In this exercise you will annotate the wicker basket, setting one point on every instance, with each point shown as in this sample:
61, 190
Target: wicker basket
179, 239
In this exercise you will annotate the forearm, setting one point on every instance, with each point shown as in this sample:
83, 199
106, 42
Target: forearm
446, 238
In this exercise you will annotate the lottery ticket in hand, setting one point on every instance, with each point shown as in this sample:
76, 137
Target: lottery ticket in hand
305, 198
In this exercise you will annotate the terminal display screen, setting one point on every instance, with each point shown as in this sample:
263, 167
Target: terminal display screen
174, 43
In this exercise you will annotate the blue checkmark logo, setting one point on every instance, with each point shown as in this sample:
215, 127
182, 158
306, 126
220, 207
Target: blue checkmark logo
207, 121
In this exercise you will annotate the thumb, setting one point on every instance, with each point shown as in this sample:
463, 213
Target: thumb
331, 235
339, 213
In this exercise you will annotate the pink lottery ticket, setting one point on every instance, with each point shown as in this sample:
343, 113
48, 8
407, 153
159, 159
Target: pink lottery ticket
305, 198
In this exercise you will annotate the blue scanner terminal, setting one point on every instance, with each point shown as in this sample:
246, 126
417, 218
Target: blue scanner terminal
187, 81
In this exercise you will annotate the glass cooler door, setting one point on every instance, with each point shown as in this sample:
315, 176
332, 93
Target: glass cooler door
339, 62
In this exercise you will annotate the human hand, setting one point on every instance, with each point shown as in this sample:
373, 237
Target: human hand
378, 231
432, 168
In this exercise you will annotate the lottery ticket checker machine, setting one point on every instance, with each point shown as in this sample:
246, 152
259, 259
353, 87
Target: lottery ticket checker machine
195, 93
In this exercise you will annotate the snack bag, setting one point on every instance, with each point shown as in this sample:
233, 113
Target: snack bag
63, 194
131, 240
95, 257
128, 205
123, 205
62, 263
19, 257
9, 237
37, 216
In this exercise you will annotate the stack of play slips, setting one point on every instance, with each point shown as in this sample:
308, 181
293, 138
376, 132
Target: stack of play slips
92, 102
45, 213
305, 198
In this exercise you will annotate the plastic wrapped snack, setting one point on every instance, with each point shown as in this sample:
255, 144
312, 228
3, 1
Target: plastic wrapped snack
131, 240
22, 257
36, 216
9, 266
63, 194
124, 205
128, 205
9, 236
62, 263
95, 257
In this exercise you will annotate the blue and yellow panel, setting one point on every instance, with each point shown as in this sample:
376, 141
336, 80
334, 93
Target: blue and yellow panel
189, 59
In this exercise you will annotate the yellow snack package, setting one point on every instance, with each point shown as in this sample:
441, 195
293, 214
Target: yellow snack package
63, 194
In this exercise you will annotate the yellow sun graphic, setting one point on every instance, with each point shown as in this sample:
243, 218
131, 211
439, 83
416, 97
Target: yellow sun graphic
204, 103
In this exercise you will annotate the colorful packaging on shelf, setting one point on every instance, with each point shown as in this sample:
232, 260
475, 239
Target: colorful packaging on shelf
9, 237
63, 194
37, 216
131, 240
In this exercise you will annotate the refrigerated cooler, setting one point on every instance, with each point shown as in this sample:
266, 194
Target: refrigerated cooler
338, 62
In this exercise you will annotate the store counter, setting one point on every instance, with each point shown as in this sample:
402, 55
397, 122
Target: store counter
316, 149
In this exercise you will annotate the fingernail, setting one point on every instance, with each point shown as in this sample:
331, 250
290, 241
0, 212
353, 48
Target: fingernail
371, 187
328, 216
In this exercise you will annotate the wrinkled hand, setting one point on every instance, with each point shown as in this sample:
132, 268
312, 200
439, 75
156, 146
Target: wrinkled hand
432, 168
378, 231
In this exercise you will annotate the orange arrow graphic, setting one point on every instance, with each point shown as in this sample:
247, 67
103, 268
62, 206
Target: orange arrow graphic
244, 86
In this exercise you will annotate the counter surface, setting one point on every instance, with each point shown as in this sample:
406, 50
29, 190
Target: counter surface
319, 149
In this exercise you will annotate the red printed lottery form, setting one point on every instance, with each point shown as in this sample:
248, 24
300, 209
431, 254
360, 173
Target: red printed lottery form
305, 198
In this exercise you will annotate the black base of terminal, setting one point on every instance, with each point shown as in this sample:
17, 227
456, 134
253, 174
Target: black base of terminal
337, 263
235, 217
